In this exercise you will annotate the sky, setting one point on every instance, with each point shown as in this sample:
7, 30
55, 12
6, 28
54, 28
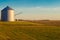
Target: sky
34, 9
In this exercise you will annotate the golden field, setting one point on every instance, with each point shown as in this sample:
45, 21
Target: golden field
30, 30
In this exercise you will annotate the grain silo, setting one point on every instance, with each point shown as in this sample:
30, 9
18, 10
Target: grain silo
7, 14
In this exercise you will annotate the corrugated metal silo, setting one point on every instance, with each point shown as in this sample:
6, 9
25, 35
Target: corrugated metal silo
7, 14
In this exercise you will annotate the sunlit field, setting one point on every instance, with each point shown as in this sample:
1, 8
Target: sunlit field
30, 30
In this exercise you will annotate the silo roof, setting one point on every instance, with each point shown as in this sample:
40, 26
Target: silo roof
7, 8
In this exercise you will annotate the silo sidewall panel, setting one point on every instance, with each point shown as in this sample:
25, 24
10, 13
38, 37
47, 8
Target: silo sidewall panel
11, 15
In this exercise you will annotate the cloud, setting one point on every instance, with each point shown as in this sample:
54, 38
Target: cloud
40, 13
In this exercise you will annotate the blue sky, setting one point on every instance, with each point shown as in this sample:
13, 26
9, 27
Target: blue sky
30, 3
34, 9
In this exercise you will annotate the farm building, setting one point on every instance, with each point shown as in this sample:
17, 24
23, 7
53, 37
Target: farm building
7, 14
